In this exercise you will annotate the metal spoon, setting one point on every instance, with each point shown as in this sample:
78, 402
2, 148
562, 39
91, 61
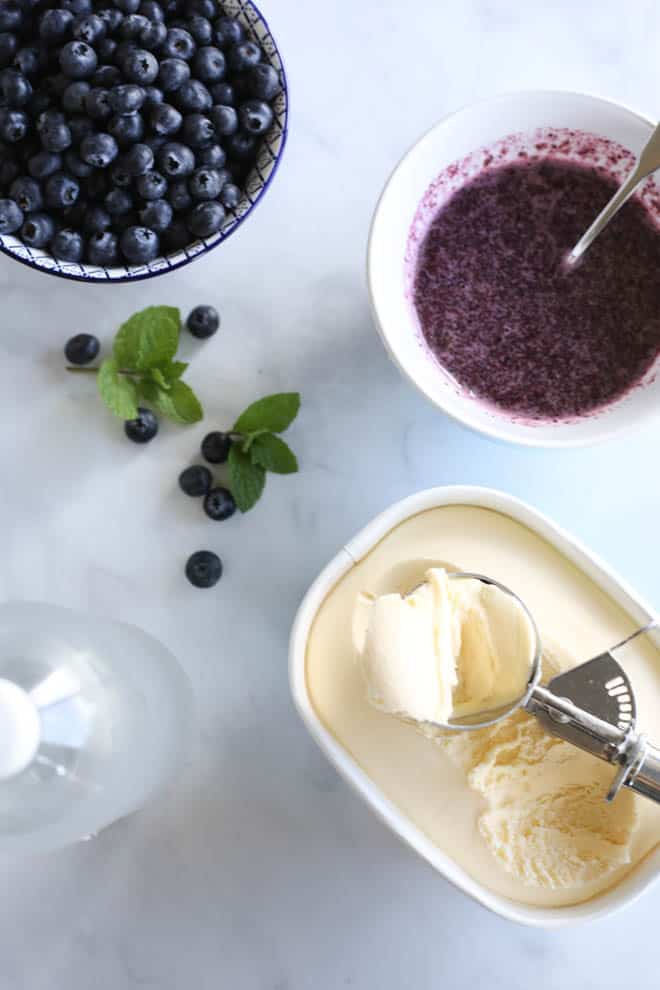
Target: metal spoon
647, 162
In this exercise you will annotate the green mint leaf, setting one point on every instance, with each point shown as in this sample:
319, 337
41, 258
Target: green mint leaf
174, 369
159, 378
247, 479
117, 391
272, 413
149, 338
180, 404
273, 454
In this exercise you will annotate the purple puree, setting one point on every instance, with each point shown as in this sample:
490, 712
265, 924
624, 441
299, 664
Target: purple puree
500, 310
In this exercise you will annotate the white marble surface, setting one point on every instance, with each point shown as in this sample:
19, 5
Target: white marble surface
261, 870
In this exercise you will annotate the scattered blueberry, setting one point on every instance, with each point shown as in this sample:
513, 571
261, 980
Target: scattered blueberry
216, 447
204, 569
139, 245
68, 245
82, 349
219, 504
196, 480
203, 322
11, 216
144, 428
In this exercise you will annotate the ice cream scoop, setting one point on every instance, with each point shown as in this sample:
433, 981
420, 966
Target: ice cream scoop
462, 651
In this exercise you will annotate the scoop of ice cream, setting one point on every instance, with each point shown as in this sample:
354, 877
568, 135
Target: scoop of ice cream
452, 647
545, 818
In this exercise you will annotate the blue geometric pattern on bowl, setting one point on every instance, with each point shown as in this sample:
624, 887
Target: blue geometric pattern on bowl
257, 183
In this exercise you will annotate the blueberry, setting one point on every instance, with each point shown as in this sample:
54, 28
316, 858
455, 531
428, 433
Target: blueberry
120, 176
15, 89
225, 120
212, 154
97, 103
144, 428
138, 159
106, 50
141, 67
97, 185
151, 185
112, 18
107, 76
37, 230
102, 249
139, 245
176, 236
255, 116
80, 126
153, 36
230, 196
204, 569
157, 215
196, 480
132, 25
205, 219
75, 6
264, 81
203, 8
201, 29
123, 50
193, 95
197, 130
89, 28
155, 142
178, 195
11, 216
127, 98
152, 11
203, 322
9, 170
14, 125
118, 202
127, 6
74, 164
96, 220
216, 446
55, 25
82, 349
56, 137
175, 160
68, 245
74, 96
153, 96
99, 150
209, 64
228, 32
242, 146
126, 129
28, 60
205, 183
27, 193
244, 56
8, 47
223, 92
165, 119
219, 504
173, 73
78, 60
11, 16
178, 44
61, 191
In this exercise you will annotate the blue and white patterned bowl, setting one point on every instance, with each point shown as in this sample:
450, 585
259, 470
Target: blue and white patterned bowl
258, 182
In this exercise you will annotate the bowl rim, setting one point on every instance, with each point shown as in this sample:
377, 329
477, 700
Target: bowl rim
564, 438
646, 871
142, 276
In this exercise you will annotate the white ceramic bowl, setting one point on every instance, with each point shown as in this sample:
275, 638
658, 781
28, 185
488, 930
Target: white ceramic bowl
643, 874
463, 136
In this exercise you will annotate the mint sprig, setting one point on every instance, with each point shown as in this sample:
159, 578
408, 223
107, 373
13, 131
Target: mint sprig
257, 449
142, 368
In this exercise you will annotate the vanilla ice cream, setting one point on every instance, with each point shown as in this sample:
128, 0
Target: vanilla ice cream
452, 647
517, 809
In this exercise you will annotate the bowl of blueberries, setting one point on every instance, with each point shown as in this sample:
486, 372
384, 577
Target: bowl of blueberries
135, 135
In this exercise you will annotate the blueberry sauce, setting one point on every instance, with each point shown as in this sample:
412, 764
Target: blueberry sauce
501, 311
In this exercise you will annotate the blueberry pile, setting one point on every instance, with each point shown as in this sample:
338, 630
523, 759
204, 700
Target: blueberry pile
197, 479
127, 127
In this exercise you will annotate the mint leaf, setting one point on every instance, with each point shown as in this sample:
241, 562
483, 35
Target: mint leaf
117, 391
247, 479
180, 404
272, 413
173, 369
273, 454
159, 378
148, 338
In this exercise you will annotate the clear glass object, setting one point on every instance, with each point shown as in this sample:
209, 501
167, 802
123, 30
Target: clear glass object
94, 720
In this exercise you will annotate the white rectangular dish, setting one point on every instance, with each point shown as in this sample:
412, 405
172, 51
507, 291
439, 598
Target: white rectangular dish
641, 876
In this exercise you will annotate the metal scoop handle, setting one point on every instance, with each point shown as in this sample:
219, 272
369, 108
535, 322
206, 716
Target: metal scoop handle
638, 761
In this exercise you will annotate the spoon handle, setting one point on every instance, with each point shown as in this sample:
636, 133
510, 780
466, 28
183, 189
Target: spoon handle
623, 193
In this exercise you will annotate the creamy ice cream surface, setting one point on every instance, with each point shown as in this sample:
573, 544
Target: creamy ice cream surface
451, 647
520, 811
